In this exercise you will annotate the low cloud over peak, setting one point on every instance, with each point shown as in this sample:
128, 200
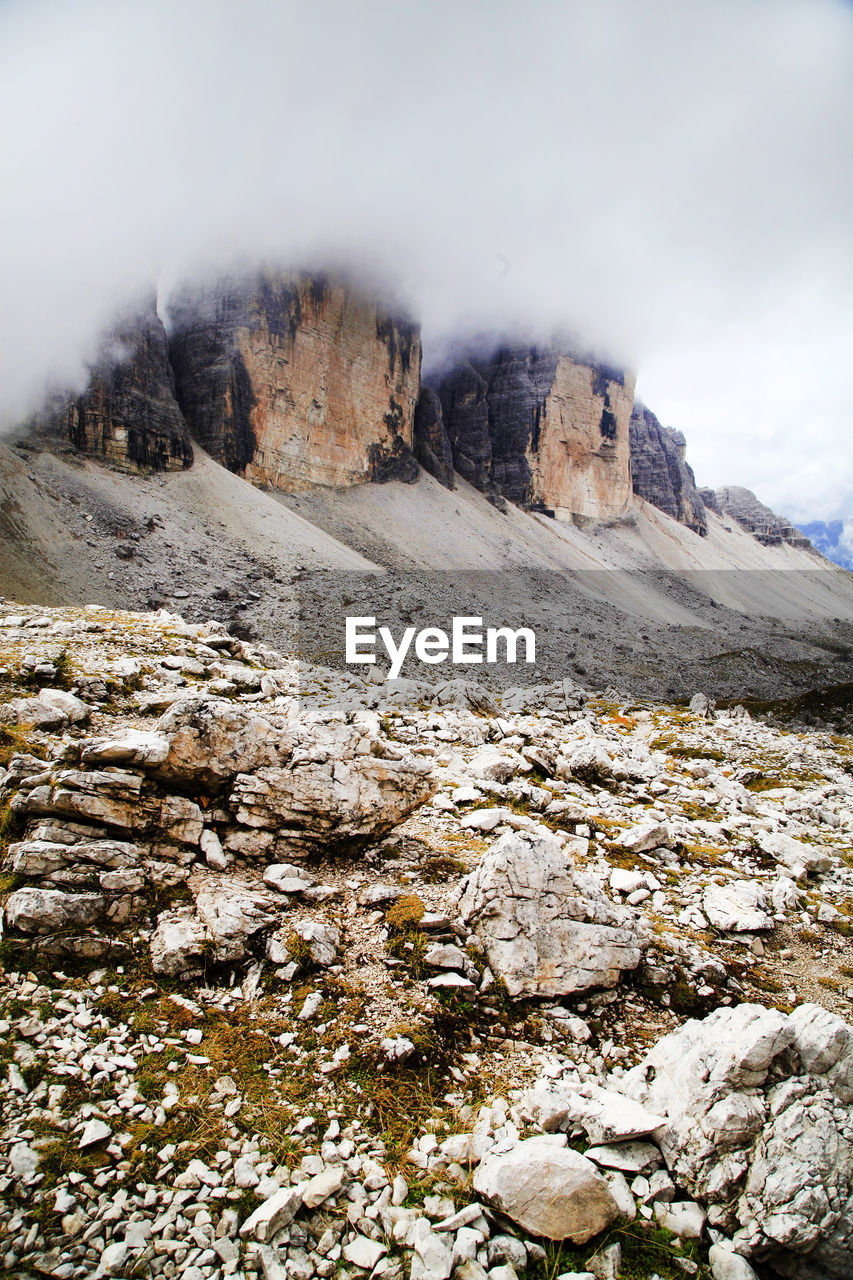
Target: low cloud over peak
673, 181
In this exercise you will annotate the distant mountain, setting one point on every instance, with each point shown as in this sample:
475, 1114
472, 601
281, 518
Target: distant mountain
833, 538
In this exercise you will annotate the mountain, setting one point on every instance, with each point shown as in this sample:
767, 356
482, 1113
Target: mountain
544, 428
295, 380
274, 460
128, 414
661, 473
768, 528
334, 968
833, 539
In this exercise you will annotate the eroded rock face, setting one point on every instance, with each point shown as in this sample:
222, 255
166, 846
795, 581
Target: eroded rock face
660, 472
548, 930
128, 414
295, 380
759, 1128
764, 525
543, 428
313, 783
547, 1189
431, 442
286, 778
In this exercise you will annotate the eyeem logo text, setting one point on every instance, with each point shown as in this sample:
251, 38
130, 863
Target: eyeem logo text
467, 643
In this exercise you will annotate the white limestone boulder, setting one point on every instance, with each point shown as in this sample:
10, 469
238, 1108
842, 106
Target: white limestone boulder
738, 906
547, 929
547, 1189
759, 1129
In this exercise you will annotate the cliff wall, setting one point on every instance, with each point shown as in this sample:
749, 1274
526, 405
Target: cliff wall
293, 381
764, 525
128, 414
660, 473
543, 428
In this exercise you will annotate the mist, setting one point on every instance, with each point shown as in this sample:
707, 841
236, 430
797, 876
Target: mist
672, 181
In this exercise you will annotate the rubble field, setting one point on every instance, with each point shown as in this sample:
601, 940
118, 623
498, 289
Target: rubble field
306, 976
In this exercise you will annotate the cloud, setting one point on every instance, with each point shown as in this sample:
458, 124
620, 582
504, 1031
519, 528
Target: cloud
671, 179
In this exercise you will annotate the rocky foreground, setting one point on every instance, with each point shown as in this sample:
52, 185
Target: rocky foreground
304, 976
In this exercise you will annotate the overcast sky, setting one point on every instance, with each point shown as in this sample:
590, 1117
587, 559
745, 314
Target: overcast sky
672, 179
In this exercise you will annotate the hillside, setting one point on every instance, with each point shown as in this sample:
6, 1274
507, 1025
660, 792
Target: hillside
610, 601
303, 976
487, 971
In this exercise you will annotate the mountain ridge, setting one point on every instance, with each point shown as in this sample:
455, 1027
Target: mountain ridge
295, 380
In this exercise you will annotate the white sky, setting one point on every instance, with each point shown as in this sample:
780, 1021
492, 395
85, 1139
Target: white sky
671, 178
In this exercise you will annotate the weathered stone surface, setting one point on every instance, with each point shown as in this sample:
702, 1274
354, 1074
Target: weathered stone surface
431, 442
660, 473
292, 380
74, 709
547, 929
794, 853
548, 1189
739, 905
179, 944
330, 793
232, 911
46, 857
728, 1265
759, 1125
128, 414
764, 525
210, 740
44, 911
32, 712
547, 428
132, 746
276, 1212
824, 1043
108, 796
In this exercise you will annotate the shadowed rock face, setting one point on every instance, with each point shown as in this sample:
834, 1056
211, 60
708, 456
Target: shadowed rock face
128, 414
660, 472
295, 380
543, 428
432, 445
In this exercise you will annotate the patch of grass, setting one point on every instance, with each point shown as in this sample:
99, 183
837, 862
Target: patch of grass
764, 783
63, 1157
406, 913
167, 897
9, 882
298, 949
646, 1250
681, 752
442, 867
64, 669
17, 740
410, 946
708, 855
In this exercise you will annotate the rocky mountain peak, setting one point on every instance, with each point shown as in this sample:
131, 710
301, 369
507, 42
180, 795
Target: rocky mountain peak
128, 414
660, 472
764, 525
294, 380
544, 427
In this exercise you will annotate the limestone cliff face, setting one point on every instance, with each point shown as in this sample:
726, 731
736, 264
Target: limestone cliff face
660, 472
295, 380
709, 500
764, 525
431, 442
128, 414
542, 427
